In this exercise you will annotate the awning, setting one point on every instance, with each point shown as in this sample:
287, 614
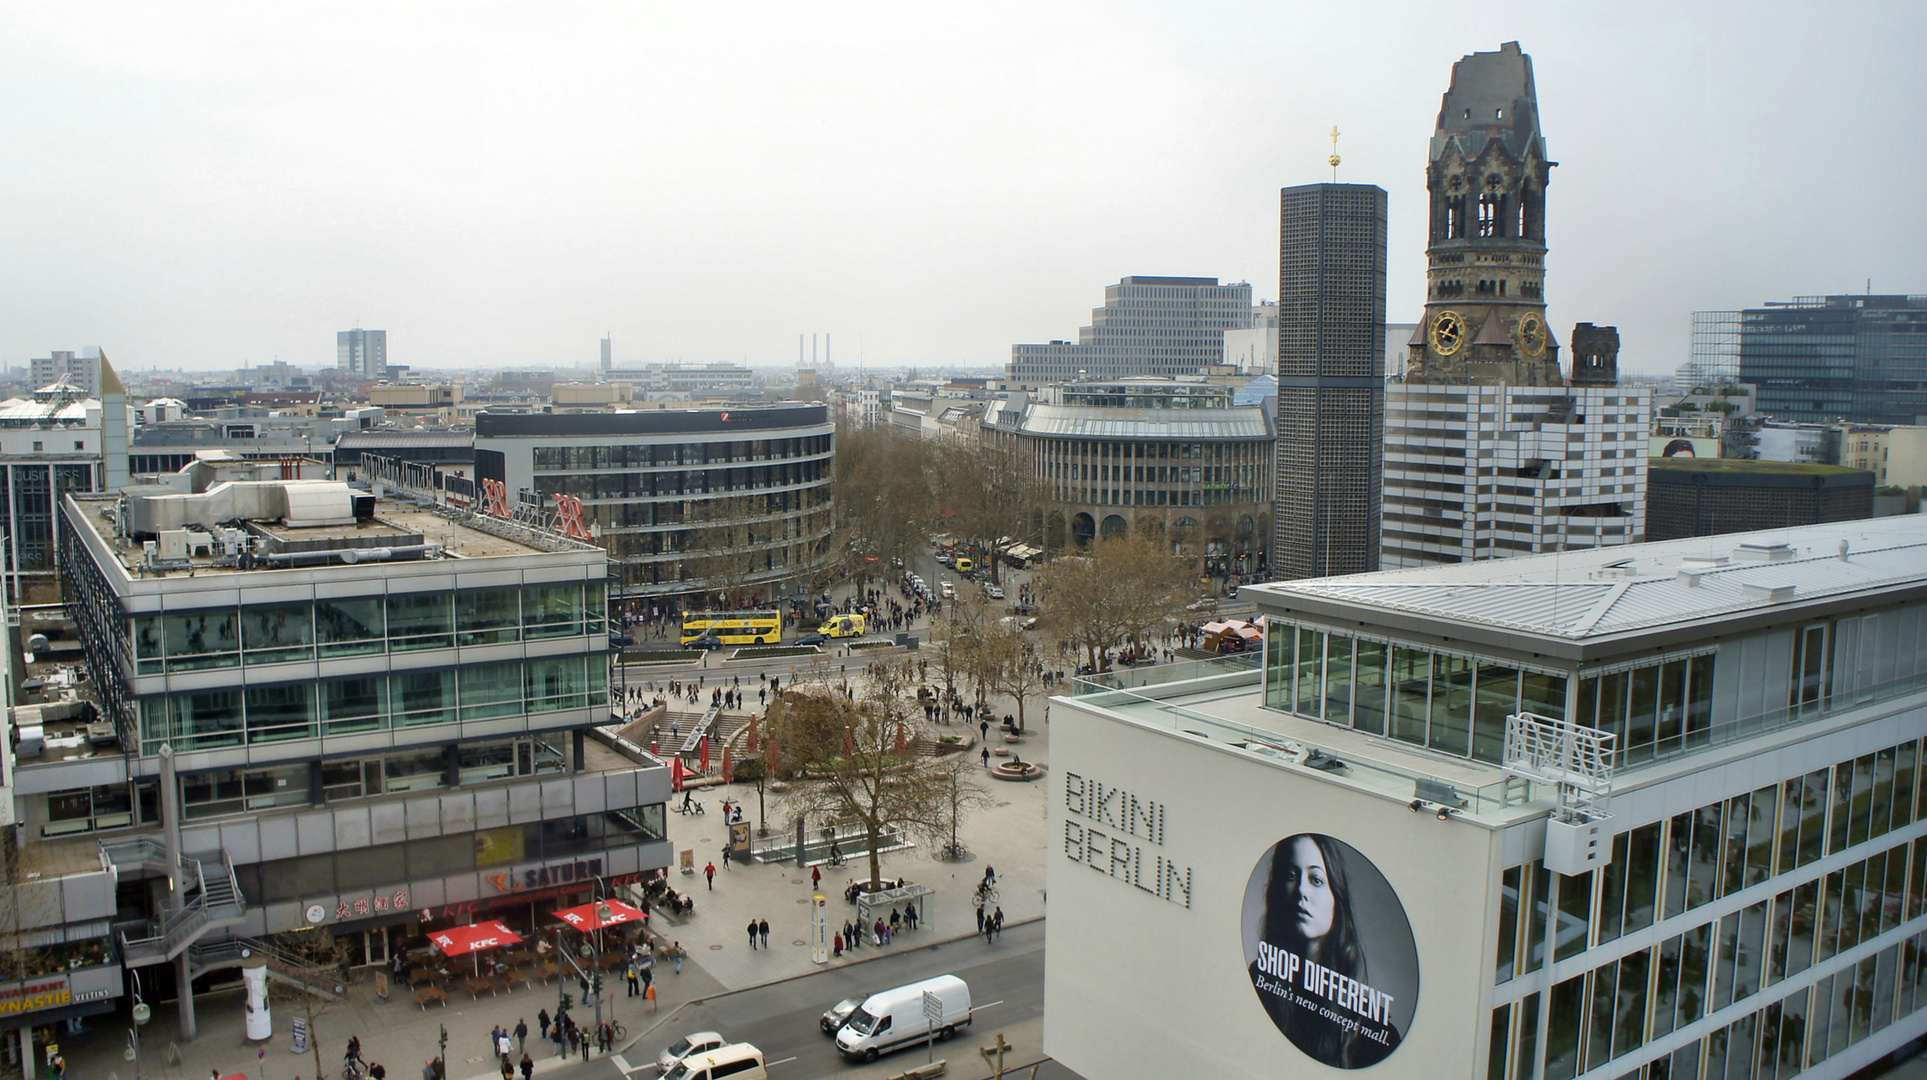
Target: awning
458, 940
588, 917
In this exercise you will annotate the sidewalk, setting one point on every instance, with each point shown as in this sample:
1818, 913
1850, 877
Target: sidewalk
1009, 836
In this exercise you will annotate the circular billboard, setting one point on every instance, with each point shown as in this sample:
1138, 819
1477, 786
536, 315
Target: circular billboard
1330, 951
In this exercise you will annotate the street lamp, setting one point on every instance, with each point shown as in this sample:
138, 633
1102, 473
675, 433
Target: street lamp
142, 1014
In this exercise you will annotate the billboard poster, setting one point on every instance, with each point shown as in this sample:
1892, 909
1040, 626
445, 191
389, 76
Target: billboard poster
1330, 951
1661, 446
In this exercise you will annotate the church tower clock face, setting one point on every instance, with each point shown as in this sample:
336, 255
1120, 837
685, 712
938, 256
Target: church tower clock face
1448, 333
1532, 334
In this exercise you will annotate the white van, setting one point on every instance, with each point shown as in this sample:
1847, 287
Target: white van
739, 1060
896, 1018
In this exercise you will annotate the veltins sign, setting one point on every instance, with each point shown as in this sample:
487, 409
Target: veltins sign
1330, 951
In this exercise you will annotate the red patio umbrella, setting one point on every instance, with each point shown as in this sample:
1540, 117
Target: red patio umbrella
589, 916
675, 773
750, 743
703, 759
458, 940
729, 771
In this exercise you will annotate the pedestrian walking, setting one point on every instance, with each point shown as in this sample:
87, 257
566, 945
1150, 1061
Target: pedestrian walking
508, 1069
980, 920
983, 728
646, 969
997, 921
986, 757
522, 1034
725, 850
528, 1067
752, 933
542, 1023
504, 1047
763, 928
836, 941
634, 978
710, 873
990, 877
816, 878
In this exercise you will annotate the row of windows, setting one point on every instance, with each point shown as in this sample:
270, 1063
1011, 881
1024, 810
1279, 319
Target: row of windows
382, 865
1777, 1042
210, 719
675, 485
641, 456
365, 625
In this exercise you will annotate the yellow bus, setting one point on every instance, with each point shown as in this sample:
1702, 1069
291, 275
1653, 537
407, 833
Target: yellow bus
733, 627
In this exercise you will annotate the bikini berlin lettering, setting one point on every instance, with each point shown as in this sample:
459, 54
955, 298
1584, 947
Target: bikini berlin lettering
1123, 828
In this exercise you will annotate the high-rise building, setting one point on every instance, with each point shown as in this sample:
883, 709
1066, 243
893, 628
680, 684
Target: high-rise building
1715, 348
362, 351
1331, 379
1861, 359
608, 354
1489, 450
1161, 326
81, 368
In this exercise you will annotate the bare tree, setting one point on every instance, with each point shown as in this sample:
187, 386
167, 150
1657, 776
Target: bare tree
1011, 664
854, 758
1119, 591
301, 962
956, 777
991, 496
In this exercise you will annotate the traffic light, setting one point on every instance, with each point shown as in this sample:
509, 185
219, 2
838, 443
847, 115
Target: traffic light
598, 983
567, 1001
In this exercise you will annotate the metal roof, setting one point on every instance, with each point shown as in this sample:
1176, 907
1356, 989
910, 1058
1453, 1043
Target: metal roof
1080, 422
1605, 591
358, 440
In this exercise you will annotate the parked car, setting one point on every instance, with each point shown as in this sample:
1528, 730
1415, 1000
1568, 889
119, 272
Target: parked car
810, 639
996, 592
620, 640
700, 1042
839, 1014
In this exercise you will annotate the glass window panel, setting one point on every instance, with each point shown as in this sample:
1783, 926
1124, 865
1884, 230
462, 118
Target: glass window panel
1411, 693
1733, 869
1666, 987
1831, 899
1338, 680
1642, 876
1679, 847
488, 616
1629, 1009
1695, 967
148, 654
421, 621
1500, 1043
1508, 948
1612, 890
557, 683
349, 627
1725, 960
1368, 708
1497, 698
356, 703
1311, 656
1642, 718
1705, 869
1613, 691
1451, 730
1859, 804
1906, 768
1821, 1021
414, 771
1566, 1013
1813, 817
1778, 939
280, 712
1885, 973
1575, 915
1671, 706
1586, 703
1528, 1034
277, 633
201, 639
1751, 952
1538, 913
491, 690
1280, 636
1800, 928
553, 610
1863, 997
1880, 801
1605, 993
205, 720
1760, 830
1699, 699
1544, 694
422, 697
1893, 898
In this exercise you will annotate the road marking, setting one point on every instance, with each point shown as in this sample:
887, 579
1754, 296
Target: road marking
623, 1064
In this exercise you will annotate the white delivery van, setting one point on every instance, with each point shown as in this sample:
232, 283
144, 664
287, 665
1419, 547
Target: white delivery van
740, 1060
896, 1018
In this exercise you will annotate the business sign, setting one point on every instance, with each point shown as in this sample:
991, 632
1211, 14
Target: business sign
36, 994
537, 877
1330, 951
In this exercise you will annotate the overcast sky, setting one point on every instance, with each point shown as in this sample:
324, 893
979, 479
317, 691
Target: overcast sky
211, 185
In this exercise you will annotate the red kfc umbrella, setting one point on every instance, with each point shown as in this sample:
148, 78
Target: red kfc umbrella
675, 773
589, 916
750, 744
457, 940
704, 758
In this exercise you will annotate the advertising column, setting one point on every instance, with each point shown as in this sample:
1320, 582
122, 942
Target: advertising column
254, 975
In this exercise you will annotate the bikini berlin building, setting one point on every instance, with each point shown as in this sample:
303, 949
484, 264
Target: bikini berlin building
1351, 855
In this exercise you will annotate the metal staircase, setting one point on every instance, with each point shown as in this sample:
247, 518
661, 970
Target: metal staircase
210, 898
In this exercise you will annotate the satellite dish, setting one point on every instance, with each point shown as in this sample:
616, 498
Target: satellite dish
37, 643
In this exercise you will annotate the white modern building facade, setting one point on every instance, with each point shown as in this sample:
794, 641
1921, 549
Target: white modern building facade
1743, 896
80, 367
1160, 326
364, 352
1488, 471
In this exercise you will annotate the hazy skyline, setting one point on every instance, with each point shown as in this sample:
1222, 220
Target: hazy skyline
216, 185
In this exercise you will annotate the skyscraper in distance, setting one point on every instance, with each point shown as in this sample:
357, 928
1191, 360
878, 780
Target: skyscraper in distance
1331, 379
362, 351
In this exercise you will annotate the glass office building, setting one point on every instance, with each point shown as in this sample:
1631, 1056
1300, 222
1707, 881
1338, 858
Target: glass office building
1756, 905
1861, 359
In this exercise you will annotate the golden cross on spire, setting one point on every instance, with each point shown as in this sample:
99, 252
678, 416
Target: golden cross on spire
1334, 157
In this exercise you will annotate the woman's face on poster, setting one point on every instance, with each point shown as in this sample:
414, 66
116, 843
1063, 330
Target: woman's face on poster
1308, 889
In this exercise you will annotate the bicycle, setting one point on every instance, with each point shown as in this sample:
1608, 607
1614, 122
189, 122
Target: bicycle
986, 896
954, 851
